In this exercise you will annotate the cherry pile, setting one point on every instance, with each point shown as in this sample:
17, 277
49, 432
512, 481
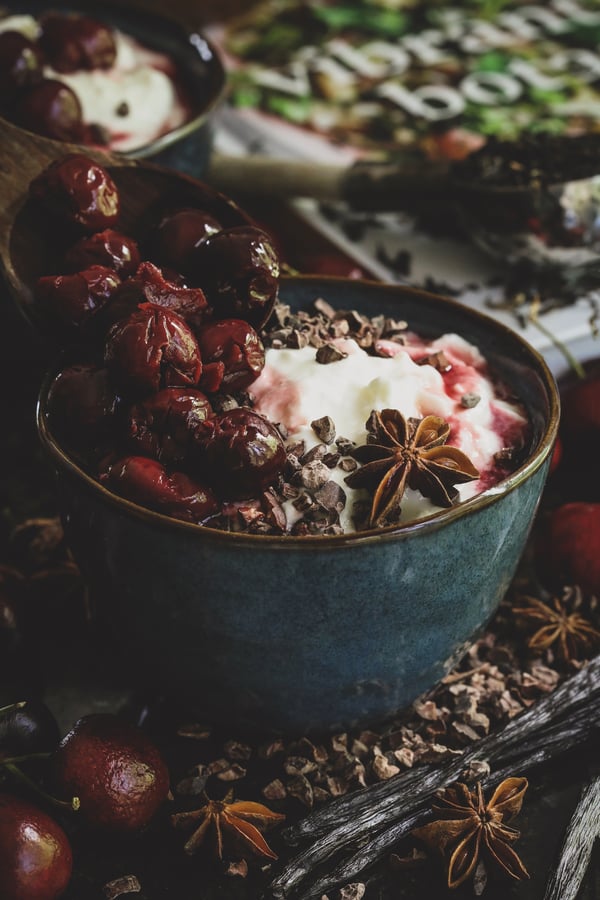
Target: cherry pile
67, 43
105, 776
167, 338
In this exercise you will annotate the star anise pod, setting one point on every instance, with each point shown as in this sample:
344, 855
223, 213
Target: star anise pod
559, 626
239, 820
411, 452
468, 829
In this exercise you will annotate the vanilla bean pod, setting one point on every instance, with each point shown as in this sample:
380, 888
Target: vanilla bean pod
376, 816
582, 831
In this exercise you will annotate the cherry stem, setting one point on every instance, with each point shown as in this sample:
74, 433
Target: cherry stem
72, 805
25, 758
11, 706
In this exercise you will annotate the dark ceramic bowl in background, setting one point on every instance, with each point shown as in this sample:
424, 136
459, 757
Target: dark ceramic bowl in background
314, 632
188, 147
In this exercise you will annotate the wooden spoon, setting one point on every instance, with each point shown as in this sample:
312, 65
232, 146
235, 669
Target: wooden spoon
31, 245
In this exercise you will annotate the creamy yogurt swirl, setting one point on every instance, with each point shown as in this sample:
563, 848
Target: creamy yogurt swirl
294, 389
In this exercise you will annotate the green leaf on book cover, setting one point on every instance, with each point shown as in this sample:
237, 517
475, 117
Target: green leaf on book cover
293, 109
385, 22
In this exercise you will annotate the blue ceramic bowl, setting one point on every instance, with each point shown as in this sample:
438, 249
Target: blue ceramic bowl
188, 147
316, 632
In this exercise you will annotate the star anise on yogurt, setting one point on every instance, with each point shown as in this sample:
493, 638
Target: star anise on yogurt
236, 821
559, 625
402, 453
467, 829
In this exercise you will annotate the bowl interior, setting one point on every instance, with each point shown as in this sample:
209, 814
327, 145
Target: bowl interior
512, 360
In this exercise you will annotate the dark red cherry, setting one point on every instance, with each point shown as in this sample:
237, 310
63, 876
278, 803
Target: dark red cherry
236, 344
75, 299
243, 451
82, 407
36, 860
146, 481
79, 191
20, 64
114, 768
105, 248
71, 42
27, 727
52, 109
150, 286
178, 233
153, 348
163, 425
238, 270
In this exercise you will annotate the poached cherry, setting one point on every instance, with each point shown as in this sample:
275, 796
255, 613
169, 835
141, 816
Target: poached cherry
115, 770
153, 348
71, 42
150, 286
147, 482
20, 64
236, 344
74, 300
178, 234
52, 109
243, 451
79, 191
163, 425
82, 406
105, 248
238, 270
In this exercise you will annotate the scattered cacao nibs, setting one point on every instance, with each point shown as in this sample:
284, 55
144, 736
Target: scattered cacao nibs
344, 445
122, 109
332, 496
347, 464
99, 134
469, 400
329, 353
128, 884
314, 475
324, 428
438, 360
316, 453
331, 460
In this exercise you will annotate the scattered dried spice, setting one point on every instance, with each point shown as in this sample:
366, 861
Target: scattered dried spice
466, 828
559, 625
401, 453
238, 820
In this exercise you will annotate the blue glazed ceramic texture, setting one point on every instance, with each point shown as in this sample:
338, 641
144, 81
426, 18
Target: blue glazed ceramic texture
317, 632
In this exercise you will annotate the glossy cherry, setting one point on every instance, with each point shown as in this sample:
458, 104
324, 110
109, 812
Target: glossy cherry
150, 286
105, 248
36, 860
147, 482
26, 728
20, 64
115, 770
78, 190
163, 425
236, 344
238, 270
82, 407
74, 300
178, 234
567, 547
242, 451
52, 109
71, 42
153, 348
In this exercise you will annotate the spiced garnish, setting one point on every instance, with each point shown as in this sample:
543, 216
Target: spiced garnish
239, 820
467, 829
560, 625
413, 452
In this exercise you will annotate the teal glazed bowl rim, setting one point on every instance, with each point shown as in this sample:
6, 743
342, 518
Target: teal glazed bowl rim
159, 32
536, 455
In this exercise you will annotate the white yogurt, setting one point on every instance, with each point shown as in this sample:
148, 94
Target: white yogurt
294, 390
